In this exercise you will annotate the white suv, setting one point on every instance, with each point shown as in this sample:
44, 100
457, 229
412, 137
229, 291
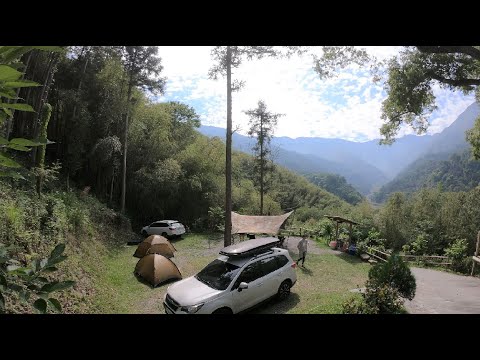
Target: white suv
166, 228
245, 275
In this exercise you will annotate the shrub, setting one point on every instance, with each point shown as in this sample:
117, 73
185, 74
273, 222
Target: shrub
396, 274
31, 285
387, 283
457, 252
377, 299
417, 247
216, 218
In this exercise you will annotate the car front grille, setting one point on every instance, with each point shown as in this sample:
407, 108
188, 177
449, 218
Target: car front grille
172, 304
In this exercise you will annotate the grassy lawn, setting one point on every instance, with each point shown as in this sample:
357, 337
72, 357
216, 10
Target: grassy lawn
322, 286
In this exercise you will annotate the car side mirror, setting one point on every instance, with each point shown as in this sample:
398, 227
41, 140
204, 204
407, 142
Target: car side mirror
242, 286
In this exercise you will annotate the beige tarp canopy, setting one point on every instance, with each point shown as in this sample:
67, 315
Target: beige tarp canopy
155, 244
246, 224
156, 269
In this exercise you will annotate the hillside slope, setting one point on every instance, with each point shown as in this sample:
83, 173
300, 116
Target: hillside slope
453, 172
90, 230
337, 185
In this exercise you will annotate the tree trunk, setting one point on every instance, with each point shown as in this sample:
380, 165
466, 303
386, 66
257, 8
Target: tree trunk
75, 105
261, 164
10, 118
45, 118
22, 116
74, 114
228, 159
124, 167
111, 189
41, 102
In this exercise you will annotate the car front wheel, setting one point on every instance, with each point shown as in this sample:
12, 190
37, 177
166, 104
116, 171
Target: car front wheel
284, 290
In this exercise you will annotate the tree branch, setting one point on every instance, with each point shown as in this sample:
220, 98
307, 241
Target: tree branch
467, 50
456, 82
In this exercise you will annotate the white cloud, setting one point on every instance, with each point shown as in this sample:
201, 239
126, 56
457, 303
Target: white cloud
346, 107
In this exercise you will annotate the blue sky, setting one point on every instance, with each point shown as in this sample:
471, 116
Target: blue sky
346, 107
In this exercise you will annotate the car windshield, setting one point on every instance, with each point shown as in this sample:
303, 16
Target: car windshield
218, 274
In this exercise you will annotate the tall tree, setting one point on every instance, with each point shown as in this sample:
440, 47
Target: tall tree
143, 68
226, 58
262, 124
410, 77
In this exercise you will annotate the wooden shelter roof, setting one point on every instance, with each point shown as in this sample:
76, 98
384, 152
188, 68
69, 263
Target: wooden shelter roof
340, 219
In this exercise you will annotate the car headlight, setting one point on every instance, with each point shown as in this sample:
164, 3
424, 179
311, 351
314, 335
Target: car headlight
192, 309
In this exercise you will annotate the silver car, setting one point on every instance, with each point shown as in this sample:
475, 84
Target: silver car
234, 282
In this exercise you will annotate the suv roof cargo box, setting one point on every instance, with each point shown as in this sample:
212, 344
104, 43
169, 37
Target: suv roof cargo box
250, 247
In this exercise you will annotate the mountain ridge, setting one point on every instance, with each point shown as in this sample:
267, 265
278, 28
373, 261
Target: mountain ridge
366, 165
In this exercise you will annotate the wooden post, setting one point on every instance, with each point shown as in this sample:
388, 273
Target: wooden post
336, 236
350, 233
476, 253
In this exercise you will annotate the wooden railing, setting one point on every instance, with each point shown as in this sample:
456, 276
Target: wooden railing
426, 259
377, 254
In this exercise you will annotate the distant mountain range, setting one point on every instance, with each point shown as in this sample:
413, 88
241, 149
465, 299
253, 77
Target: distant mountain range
367, 166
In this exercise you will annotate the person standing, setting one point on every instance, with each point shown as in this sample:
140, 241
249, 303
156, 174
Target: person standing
302, 250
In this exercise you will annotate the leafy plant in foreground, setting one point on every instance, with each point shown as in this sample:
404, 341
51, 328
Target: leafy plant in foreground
30, 283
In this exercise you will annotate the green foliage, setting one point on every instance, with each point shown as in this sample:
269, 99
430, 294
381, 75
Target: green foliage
10, 80
31, 226
387, 284
410, 79
338, 57
417, 247
28, 282
262, 125
144, 68
395, 221
430, 221
458, 254
473, 137
326, 228
44, 119
371, 240
394, 273
457, 173
216, 217
336, 184
377, 299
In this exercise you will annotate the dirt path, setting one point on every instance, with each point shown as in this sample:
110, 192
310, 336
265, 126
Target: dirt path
439, 292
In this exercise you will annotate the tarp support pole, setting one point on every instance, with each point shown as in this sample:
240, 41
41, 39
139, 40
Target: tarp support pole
477, 250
